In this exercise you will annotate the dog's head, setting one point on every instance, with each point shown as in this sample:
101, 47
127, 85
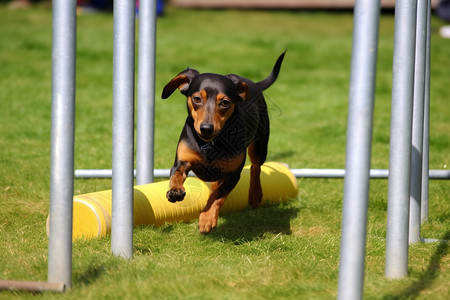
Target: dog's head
211, 98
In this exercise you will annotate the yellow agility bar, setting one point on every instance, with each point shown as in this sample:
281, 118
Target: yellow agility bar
92, 212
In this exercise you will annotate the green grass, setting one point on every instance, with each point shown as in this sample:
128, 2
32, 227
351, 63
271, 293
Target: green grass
282, 251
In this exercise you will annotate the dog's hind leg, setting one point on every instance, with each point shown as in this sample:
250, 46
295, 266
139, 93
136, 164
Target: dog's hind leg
257, 152
255, 191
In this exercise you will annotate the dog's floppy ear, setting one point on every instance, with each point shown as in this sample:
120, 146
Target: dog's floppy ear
181, 82
241, 86
242, 90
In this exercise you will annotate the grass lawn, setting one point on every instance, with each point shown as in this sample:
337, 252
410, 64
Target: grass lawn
286, 251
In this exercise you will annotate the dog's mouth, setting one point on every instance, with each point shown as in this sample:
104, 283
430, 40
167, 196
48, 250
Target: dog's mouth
206, 137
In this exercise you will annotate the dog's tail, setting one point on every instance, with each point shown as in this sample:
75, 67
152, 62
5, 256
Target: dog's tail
264, 84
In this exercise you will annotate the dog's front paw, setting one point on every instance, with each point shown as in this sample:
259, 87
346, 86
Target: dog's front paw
175, 195
207, 221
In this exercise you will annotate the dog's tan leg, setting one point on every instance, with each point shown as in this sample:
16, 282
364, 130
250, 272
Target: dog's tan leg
176, 190
210, 214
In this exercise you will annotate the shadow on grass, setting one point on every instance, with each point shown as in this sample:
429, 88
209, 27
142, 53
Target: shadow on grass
91, 274
251, 224
427, 277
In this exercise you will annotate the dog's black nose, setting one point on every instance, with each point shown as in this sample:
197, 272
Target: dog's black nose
207, 129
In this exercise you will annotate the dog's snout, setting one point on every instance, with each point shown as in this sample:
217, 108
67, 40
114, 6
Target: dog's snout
207, 129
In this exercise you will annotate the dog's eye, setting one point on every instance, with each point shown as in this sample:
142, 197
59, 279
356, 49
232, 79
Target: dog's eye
225, 103
197, 99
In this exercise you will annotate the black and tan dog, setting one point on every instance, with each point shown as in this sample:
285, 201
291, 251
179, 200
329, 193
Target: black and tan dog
227, 115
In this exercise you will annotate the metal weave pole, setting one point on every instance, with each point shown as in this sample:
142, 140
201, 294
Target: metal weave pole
400, 141
417, 124
123, 129
426, 123
358, 149
146, 92
62, 142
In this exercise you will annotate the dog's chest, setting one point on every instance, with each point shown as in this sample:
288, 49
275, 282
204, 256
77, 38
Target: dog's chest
222, 156
219, 167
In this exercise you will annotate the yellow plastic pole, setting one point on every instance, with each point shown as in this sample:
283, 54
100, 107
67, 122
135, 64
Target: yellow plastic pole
92, 212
